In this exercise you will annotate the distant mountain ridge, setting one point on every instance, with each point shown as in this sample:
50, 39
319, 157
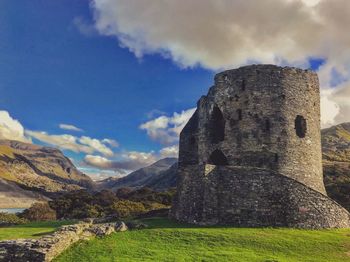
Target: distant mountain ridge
150, 176
37, 171
30, 172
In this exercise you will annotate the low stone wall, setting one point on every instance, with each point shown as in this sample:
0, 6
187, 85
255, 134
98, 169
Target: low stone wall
49, 246
253, 197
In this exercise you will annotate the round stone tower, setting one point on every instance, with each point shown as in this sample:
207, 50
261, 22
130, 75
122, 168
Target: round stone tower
257, 123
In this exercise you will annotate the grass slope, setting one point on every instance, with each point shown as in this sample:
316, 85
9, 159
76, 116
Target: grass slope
168, 241
31, 230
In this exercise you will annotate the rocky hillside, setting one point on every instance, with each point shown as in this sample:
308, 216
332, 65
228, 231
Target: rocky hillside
165, 180
158, 176
336, 162
336, 143
28, 168
13, 196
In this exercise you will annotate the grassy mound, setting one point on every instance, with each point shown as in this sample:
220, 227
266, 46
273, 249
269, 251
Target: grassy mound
31, 230
168, 241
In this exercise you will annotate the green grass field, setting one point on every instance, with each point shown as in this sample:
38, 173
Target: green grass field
168, 241
31, 230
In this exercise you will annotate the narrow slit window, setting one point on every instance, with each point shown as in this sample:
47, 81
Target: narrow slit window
217, 126
300, 126
239, 114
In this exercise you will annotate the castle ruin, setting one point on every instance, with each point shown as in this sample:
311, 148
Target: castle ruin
251, 153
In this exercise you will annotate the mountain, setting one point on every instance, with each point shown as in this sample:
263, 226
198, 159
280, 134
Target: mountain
13, 196
336, 143
36, 172
165, 180
154, 176
336, 162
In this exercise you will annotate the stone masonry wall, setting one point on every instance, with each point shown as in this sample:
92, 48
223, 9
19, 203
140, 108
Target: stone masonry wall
254, 197
251, 153
259, 106
48, 247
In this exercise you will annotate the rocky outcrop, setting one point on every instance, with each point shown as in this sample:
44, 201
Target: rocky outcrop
48, 247
43, 170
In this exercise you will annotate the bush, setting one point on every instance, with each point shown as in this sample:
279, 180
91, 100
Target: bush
86, 211
145, 195
11, 219
127, 208
124, 203
39, 212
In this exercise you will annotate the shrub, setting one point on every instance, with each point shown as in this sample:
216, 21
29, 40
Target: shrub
39, 212
86, 211
72, 203
11, 219
127, 208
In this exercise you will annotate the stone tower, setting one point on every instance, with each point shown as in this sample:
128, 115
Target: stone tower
251, 153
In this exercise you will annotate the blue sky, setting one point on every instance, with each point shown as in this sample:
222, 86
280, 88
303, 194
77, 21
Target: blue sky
66, 62
51, 73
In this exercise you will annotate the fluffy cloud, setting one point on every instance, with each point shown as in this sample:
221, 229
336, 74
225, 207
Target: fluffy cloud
70, 127
214, 34
166, 130
96, 145
130, 161
11, 128
229, 33
170, 151
98, 174
83, 144
110, 142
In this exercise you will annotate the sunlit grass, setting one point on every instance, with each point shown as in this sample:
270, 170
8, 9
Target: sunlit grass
168, 241
31, 230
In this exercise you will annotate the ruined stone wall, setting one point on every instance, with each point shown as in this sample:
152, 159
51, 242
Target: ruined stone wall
261, 106
48, 247
254, 197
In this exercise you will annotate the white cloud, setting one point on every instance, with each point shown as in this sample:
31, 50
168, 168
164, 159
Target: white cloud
170, 151
98, 174
128, 161
70, 127
214, 34
83, 144
110, 142
96, 145
230, 33
131, 160
11, 128
166, 130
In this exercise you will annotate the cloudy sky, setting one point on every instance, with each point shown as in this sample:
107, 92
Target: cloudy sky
112, 82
